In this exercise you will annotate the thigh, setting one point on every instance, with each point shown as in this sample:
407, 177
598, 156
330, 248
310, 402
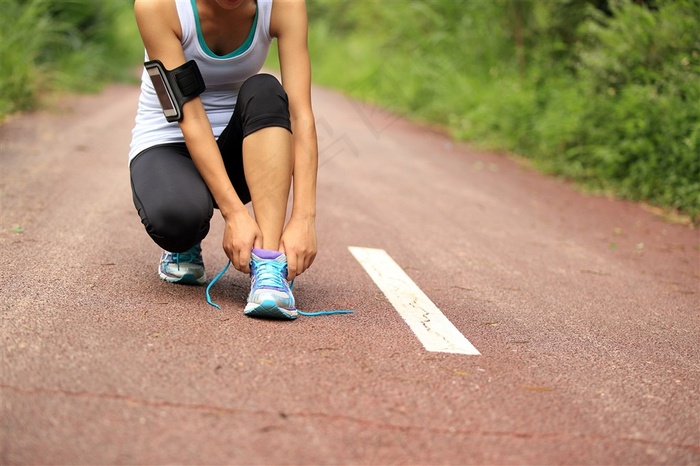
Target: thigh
171, 197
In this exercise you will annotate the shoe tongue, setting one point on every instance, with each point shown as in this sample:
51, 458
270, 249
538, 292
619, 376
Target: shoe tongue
267, 254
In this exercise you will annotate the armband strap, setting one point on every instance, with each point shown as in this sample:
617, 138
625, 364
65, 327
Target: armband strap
175, 87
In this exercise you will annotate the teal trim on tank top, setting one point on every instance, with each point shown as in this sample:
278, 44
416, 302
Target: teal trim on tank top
239, 51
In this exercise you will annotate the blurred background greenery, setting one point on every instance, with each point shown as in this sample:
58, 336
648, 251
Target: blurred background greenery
602, 92
49, 46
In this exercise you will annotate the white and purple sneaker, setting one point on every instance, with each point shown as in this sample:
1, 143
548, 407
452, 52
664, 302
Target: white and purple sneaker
270, 293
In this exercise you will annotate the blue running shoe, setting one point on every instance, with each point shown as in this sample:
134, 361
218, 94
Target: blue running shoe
270, 293
185, 268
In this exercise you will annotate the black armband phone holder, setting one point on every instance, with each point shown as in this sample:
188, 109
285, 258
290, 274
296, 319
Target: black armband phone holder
175, 87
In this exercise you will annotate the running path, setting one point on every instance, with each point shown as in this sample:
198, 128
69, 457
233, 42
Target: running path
584, 310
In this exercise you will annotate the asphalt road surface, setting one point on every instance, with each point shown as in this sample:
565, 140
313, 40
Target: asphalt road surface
584, 309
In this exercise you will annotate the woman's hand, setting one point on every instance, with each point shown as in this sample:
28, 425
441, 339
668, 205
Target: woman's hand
241, 235
298, 243
289, 24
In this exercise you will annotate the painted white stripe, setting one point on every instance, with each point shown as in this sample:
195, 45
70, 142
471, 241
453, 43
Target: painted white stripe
429, 324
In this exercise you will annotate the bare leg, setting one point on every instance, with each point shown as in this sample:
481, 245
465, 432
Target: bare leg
268, 163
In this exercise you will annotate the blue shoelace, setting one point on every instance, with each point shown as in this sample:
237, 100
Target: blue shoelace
311, 314
192, 255
271, 271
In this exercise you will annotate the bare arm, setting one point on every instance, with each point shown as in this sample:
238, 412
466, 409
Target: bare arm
289, 25
159, 27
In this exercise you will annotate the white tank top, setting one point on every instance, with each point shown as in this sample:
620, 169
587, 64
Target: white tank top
223, 76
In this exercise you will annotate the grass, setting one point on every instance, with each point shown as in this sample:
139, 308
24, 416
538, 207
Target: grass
49, 46
614, 110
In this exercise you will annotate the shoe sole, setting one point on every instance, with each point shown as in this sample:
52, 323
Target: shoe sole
186, 279
268, 309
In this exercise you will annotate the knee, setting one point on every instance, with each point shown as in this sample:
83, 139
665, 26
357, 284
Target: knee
260, 85
262, 95
176, 228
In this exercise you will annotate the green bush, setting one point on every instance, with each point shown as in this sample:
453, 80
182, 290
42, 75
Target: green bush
603, 92
20, 49
76, 45
641, 76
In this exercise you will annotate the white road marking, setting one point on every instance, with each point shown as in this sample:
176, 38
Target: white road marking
429, 324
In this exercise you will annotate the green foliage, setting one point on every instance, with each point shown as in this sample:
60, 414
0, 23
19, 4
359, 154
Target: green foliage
640, 74
605, 92
20, 48
49, 45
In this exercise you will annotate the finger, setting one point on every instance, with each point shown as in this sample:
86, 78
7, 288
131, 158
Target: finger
235, 260
292, 267
245, 261
301, 265
231, 255
308, 261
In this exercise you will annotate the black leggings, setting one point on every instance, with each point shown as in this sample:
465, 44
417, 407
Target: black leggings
171, 197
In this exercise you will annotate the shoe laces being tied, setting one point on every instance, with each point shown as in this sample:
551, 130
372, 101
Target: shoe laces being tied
269, 274
276, 277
